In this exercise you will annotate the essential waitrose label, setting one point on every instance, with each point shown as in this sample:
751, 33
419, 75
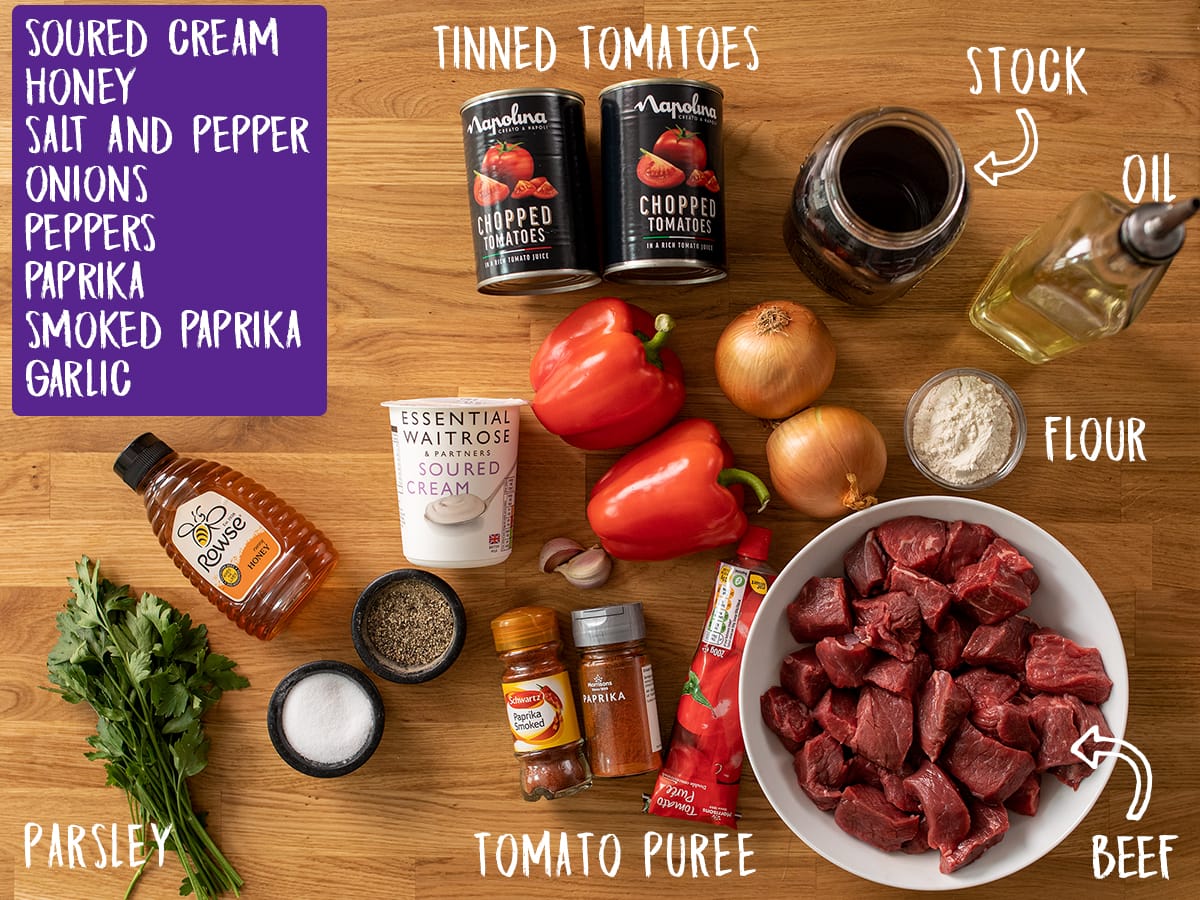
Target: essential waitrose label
230, 548
169, 198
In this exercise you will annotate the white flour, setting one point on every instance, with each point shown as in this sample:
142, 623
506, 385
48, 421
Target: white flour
962, 430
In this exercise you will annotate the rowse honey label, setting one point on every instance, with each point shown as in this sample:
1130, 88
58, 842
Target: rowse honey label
228, 546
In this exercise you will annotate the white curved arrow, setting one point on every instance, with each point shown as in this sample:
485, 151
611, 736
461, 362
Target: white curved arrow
1136, 759
991, 169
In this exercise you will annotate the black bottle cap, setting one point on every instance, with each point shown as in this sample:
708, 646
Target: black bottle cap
143, 454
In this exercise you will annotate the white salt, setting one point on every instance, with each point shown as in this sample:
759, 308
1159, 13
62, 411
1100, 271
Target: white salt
327, 718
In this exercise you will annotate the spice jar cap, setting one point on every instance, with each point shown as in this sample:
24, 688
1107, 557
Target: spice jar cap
608, 625
755, 543
525, 626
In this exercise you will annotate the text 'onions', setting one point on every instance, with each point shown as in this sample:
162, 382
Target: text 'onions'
826, 461
775, 359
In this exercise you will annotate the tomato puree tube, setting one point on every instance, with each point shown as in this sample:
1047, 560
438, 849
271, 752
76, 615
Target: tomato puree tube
530, 191
662, 160
704, 765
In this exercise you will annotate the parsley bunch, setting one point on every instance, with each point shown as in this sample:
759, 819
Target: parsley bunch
148, 674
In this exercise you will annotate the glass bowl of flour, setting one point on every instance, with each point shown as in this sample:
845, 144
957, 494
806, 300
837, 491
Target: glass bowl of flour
964, 429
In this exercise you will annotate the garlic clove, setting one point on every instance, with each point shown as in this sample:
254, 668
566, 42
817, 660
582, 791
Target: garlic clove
589, 569
556, 552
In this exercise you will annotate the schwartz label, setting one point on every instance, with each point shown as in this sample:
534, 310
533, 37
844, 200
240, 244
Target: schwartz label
228, 546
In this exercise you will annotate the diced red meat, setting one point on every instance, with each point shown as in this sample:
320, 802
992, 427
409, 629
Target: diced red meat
1015, 728
866, 566
1013, 561
820, 609
863, 771
1024, 801
837, 713
987, 688
1058, 665
787, 717
942, 706
865, 813
965, 543
845, 659
913, 541
985, 767
803, 677
946, 814
989, 823
820, 767
945, 643
919, 844
891, 623
1087, 715
933, 597
885, 727
990, 591
900, 677
1054, 719
1001, 646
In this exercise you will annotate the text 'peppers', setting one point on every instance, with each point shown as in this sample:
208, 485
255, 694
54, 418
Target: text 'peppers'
675, 494
603, 378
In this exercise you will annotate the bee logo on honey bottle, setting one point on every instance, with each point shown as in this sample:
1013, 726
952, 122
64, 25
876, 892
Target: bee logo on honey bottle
201, 528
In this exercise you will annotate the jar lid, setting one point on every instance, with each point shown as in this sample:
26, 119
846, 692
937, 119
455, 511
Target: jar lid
525, 626
608, 625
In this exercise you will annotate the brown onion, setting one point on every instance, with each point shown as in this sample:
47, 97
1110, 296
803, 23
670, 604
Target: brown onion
775, 359
827, 460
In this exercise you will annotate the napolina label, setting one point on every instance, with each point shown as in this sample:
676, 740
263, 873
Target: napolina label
228, 546
661, 154
530, 192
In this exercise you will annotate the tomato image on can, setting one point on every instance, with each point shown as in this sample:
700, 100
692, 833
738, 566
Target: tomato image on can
530, 192
661, 158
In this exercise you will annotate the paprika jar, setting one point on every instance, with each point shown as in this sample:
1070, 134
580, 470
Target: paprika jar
616, 687
540, 704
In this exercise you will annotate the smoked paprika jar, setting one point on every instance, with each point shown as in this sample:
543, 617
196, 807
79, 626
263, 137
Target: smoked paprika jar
540, 704
616, 687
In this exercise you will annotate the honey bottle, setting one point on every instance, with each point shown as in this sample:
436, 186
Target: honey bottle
247, 551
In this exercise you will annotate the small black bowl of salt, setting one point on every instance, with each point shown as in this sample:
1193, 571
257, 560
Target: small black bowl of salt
325, 718
408, 626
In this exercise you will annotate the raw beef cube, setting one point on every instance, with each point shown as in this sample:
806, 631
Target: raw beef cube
947, 815
1054, 719
900, 677
965, 543
942, 706
919, 844
987, 688
802, 676
845, 659
821, 770
885, 727
987, 768
1001, 646
1024, 800
1014, 727
837, 713
891, 623
1089, 715
787, 717
933, 597
945, 643
914, 541
864, 813
865, 565
819, 610
989, 822
1060, 666
990, 591
863, 771
1013, 561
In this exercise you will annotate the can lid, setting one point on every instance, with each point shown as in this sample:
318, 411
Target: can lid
608, 625
525, 626
143, 453
682, 82
755, 543
520, 92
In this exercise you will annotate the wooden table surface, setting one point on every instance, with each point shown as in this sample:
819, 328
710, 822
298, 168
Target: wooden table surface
406, 321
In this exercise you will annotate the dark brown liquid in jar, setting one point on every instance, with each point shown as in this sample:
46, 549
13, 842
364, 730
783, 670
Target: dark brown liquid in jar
894, 179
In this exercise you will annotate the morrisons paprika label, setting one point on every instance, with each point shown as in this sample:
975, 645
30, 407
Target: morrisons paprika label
662, 165
541, 712
230, 548
530, 192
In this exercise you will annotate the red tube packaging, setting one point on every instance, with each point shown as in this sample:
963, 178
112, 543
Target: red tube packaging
704, 766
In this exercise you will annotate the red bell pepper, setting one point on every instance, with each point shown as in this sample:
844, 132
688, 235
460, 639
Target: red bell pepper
675, 494
603, 378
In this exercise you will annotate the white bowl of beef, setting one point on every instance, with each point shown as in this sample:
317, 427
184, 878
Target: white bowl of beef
868, 753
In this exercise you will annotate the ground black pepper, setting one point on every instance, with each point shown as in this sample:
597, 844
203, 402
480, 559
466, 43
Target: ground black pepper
410, 623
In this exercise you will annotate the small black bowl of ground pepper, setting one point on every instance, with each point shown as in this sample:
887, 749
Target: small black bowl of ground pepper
408, 626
